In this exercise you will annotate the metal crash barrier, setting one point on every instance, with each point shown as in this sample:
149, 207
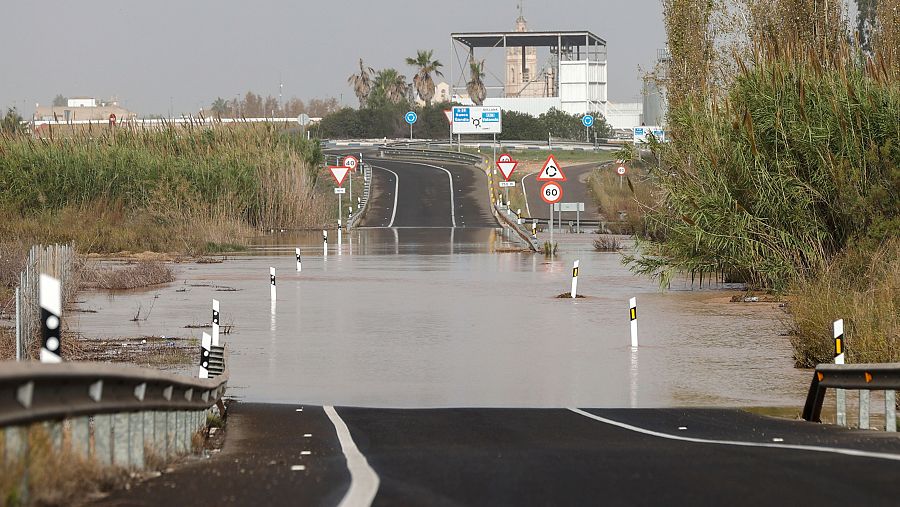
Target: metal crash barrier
863, 377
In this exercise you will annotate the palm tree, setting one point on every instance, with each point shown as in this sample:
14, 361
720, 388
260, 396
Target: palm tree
422, 80
362, 83
219, 106
391, 84
475, 86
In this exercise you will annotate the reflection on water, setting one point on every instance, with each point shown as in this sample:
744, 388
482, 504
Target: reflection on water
435, 317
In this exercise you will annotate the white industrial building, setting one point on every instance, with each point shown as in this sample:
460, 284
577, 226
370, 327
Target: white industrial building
573, 77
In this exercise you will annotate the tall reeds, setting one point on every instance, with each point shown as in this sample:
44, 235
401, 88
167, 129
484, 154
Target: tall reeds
798, 162
183, 178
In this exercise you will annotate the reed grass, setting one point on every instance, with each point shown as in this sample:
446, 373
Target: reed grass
799, 161
632, 194
179, 186
863, 288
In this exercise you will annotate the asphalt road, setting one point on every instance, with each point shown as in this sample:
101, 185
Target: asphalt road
529, 457
427, 194
575, 189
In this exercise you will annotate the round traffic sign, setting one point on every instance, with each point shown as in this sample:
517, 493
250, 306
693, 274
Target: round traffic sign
411, 117
551, 192
112, 118
303, 120
350, 162
504, 158
587, 120
621, 170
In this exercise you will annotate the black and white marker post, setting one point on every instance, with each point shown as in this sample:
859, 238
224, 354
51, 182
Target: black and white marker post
325, 242
205, 348
574, 278
632, 315
299, 264
340, 238
215, 322
51, 323
840, 394
272, 283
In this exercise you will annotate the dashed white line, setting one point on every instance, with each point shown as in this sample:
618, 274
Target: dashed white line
363, 480
812, 448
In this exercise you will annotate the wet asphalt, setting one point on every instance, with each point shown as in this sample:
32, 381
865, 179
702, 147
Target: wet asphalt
450, 457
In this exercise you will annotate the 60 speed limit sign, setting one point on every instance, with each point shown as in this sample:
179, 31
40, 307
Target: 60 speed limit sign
551, 192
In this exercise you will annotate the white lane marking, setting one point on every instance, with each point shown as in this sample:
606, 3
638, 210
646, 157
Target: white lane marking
795, 447
363, 480
525, 193
305, 453
396, 192
307, 435
297, 468
452, 195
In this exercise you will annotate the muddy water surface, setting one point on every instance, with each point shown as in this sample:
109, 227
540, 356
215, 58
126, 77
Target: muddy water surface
434, 318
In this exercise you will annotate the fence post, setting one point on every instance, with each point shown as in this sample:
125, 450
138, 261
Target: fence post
890, 410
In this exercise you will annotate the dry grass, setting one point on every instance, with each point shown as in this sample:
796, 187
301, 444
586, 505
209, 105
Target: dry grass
131, 276
607, 243
148, 351
64, 478
862, 289
631, 195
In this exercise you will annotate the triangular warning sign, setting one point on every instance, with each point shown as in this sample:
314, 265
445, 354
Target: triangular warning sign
551, 171
507, 167
339, 173
449, 114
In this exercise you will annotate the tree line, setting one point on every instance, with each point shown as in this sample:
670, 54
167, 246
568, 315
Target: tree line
253, 105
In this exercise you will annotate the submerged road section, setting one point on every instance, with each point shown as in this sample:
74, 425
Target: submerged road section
296, 455
575, 189
427, 194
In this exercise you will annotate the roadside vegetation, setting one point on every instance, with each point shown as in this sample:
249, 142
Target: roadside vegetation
177, 189
783, 169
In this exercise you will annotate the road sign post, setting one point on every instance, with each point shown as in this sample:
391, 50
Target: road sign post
411, 118
352, 163
506, 165
339, 173
588, 122
551, 193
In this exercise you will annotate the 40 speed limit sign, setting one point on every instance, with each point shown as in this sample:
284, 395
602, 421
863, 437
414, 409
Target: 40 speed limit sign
551, 192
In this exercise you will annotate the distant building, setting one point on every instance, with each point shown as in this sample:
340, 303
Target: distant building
84, 109
656, 103
574, 78
522, 76
441, 94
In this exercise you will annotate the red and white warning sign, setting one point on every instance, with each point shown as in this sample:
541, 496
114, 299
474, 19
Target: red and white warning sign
551, 192
506, 165
449, 114
551, 171
350, 162
340, 173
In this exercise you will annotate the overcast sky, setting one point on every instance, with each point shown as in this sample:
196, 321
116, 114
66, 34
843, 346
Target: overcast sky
187, 52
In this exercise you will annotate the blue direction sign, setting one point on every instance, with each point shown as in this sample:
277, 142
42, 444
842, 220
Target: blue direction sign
411, 117
587, 120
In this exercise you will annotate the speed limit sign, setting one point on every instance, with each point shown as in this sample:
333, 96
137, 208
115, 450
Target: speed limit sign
621, 170
350, 162
551, 192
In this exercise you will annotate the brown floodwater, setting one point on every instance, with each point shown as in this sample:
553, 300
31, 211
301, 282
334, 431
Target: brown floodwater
438, 318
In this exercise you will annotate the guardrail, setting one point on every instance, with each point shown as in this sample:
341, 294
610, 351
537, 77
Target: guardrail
361, 209
863, 377
112, 414
452, 156
502, 213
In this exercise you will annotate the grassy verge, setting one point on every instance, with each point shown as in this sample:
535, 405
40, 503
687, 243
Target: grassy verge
175, 190
623, 201
863, 288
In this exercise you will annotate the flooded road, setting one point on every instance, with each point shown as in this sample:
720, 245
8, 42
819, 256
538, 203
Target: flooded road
436, 318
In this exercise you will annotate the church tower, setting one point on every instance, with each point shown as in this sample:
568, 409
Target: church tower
522, 79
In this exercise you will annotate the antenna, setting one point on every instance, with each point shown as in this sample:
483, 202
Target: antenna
521, 6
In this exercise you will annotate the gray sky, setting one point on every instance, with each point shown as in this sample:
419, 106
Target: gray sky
188, 52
